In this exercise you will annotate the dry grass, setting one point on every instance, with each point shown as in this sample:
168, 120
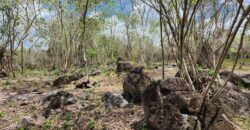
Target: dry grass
97, 117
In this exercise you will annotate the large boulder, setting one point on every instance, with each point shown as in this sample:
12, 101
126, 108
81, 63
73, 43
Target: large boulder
55, 100
59, 82
171, 104
134, 84
200, 78
235, 79
113, 101
233, 101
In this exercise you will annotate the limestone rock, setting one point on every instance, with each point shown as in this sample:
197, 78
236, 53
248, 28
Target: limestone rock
55, 100
59, 82
134, 84
31, 123
113, 100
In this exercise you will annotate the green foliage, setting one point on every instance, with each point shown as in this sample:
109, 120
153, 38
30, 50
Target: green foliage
48, 124
248, 122
91, 124
5, 82
106, 72
211, 72
69, 116
55, 72
92, 53
66, 126
1, 114
144, 126
233, 50
4, 6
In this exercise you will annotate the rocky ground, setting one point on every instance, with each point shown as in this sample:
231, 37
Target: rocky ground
22, 104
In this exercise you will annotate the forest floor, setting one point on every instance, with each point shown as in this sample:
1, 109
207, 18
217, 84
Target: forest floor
21, 97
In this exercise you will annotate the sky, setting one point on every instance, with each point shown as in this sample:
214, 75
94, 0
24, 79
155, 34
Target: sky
119, 27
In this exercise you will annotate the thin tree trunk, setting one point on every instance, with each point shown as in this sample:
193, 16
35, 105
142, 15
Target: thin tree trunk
22, 65
162, 47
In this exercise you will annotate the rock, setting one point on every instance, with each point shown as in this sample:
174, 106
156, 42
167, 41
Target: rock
31, 123
37, 91
213, 117
122, 66
2, 73
200, 80
134, 84
164, 102
113, 101
246, 76
95, 72
232, 100
75, 76
66, 80
172, 105
94, 83
57, 99
61, 81
83, 82
87, 106
236, 79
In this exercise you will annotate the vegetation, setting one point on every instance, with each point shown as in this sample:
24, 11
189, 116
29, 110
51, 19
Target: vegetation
41, 40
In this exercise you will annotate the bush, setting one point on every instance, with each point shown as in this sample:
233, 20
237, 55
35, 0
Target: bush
211, 72
5, 82
92, 53
91, 124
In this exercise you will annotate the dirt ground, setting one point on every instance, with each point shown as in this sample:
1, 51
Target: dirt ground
19, 98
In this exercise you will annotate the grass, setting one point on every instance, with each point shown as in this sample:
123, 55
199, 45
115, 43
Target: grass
228, 64
5, 82
33, 73
243, 122
48, 124
1, 115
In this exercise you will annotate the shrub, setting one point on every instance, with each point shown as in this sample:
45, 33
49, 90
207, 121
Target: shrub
91, 124
5, 82
211, 72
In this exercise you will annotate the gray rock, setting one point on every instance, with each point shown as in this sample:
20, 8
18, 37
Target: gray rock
83, 82
66, 80
30, 123
95, 72
236, 79
113, 100
57, 99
